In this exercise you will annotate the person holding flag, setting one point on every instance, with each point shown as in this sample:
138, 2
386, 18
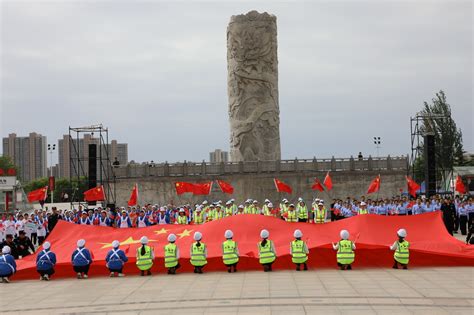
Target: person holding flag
115, 260
230, 252
172, 255
45, 262
266, 251
299, 251
198, 253
401, 248
345, 251
319, 213
302, 210
81, 260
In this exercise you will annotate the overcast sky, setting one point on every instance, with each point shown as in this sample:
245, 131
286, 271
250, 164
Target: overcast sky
155, 73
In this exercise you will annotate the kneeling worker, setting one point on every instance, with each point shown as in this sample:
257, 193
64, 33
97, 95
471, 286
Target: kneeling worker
266, 251
299, 251
115, 260
345, 251
401, 248
145, 257
230, 252
7, 264
81, 260
198, 253
171, 255
45, 262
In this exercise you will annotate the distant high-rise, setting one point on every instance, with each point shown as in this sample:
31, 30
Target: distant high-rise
80, 148
218, 156
28, 154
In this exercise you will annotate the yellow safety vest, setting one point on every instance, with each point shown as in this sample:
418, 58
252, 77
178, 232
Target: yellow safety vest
170, 255
229, 252
182, 219
291, 216
345, 253
198, 257
247, 210
266, 210
218, 215
363, 211
320, 215
228, 212
302, 212
402, 253
144, 262
266, 254
283, 208
198, 217
298, 253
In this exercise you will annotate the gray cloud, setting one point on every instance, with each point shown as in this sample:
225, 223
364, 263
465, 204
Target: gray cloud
155, 72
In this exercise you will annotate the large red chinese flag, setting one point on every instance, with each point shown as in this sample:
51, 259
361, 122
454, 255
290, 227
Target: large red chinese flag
38, 194
328, 181
374, 185
225, 187
281, 186
317, 185
134, 196
460, 188
202, 188
183, 187
95, 194
413, 187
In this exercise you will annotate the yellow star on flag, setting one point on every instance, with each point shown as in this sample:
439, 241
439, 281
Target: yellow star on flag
162, 231
128, 241
185, 233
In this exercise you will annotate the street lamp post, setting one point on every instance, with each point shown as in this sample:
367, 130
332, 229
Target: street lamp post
51, 148
378, 142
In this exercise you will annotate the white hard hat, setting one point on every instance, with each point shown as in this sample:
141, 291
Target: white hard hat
402, 233
344, 234
270, 205
241, 206
232, 200
198, 208
266, 200
204, 202
115, 244
81, 243
284, 200
264, 234
6, 249
46, 245
321, 200
228, 202
298, 234
320, 204
197, 236
162, 209
300, 199
171, 238
228, 234
292, 205
181, 210
144, 240
363, 203
255, 201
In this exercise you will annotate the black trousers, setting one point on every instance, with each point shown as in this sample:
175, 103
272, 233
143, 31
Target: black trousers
48, 272
302, 220
41, 240
463, 224
116, 270
470, 219
456, 223
34, 238
82, 269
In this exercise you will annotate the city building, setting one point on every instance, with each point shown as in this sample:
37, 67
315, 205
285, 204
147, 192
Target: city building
28, 153
218, 156
78, 149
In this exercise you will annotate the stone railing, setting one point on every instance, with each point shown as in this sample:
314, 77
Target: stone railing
228, 168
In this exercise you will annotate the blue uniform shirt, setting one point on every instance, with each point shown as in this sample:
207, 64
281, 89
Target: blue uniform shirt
7, 265
45, 260
116, 258
81, 257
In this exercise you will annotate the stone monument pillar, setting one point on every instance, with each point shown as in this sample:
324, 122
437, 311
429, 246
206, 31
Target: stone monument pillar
252, 66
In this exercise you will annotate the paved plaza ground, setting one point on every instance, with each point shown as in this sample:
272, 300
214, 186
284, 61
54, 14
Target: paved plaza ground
365, 291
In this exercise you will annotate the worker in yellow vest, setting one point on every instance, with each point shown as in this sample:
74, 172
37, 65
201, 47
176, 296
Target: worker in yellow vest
228, 211
198, 253
198, 216
292, 215
283, 207
182, 218
299, 251
402, 250
145, 257
319, 213
210, 213
266, 251
302, 211
265, 206
230, 252
233, 206
247, 206
218, 213
267, 209
362, 208
345, 251
241, 209
171, 255
255, 207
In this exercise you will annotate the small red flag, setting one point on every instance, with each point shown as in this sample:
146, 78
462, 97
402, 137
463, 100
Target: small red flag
281, 186
202, 188
95, 194
183, 187
328, 181
38, 194
413, 187
317, 185
374, 185
460, 188
225, 187
134, 196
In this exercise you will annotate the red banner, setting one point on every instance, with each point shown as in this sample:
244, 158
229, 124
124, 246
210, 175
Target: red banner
430, 243
51, 183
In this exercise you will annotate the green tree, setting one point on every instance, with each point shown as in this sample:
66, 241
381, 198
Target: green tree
74, 188
6, 163
448, 138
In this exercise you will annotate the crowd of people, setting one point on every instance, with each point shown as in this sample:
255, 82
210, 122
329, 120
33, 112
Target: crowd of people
81, 258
